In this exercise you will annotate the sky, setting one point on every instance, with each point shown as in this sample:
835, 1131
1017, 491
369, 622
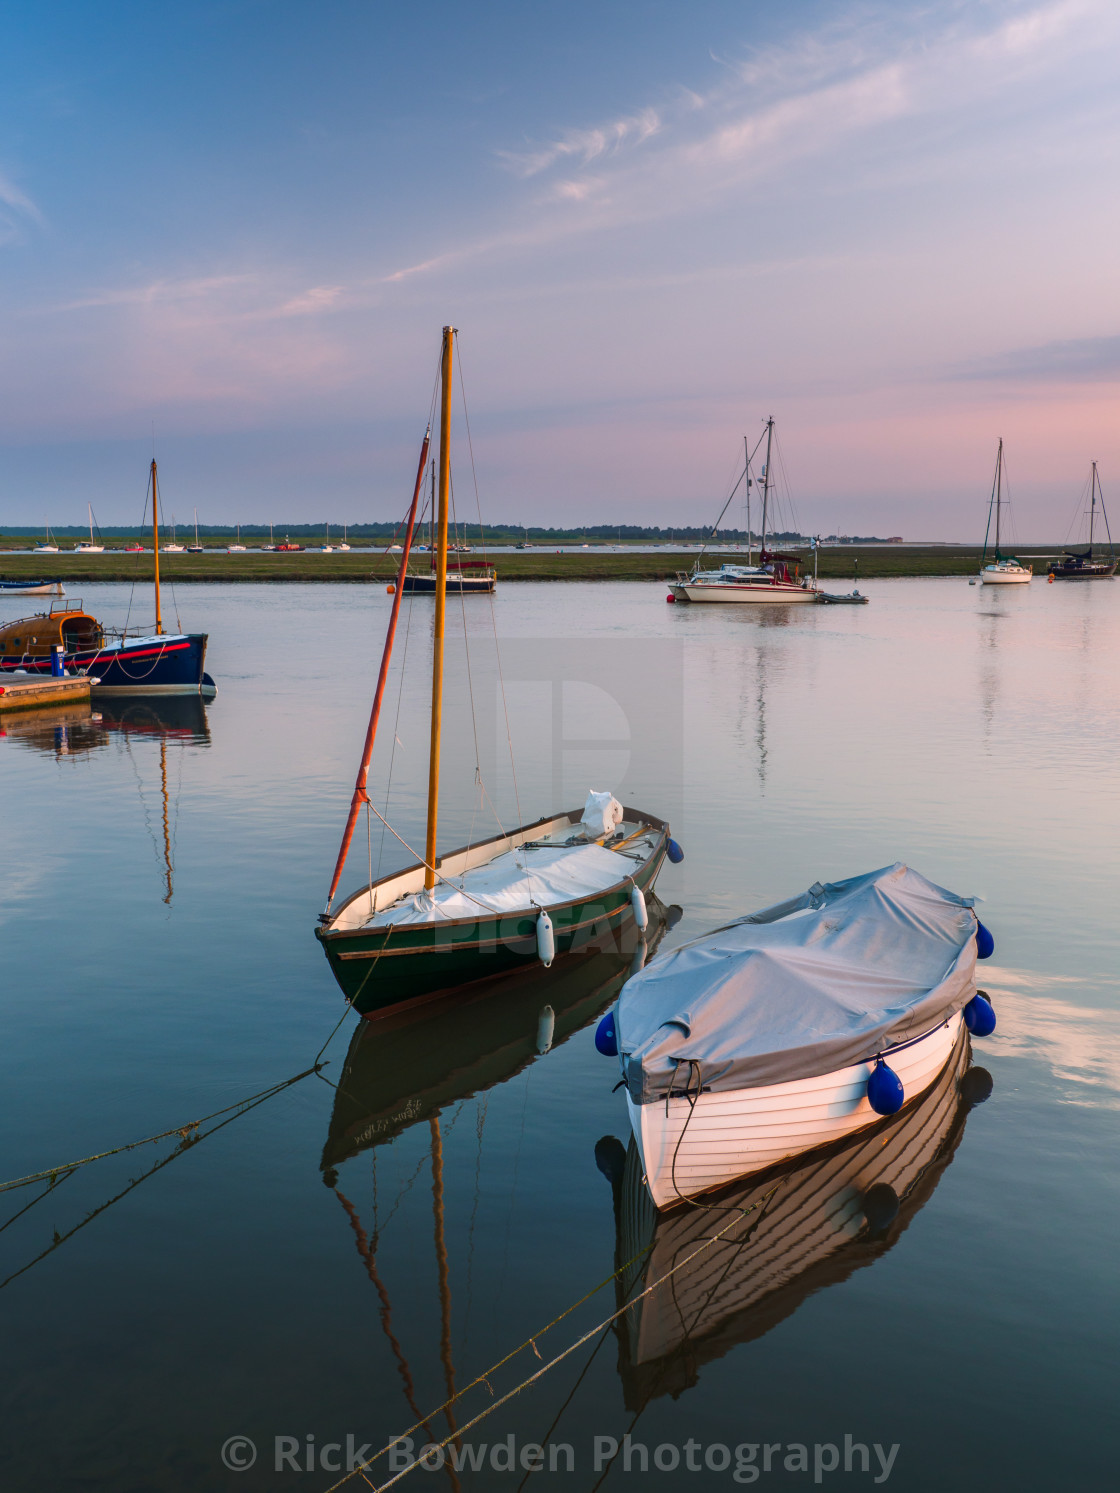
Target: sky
236, 230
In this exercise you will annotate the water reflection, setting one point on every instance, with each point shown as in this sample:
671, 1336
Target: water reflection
70, 733
406, 1069
803, 1228
72, 730
401, 1070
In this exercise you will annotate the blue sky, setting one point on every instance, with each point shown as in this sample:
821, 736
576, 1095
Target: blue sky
891, 226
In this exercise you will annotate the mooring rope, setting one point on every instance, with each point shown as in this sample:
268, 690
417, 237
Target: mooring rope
51, 1174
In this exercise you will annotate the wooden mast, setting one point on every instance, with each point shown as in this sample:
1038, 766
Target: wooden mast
155, 545
441, 607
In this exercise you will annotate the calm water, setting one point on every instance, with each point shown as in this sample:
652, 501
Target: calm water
322, 1263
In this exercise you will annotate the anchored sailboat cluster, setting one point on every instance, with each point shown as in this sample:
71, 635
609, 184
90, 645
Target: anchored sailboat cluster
788, 1030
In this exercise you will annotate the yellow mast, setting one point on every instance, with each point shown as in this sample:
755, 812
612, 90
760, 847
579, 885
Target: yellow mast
155, 544
441, 607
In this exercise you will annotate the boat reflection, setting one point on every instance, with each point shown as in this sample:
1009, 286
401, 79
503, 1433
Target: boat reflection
75, 731
403, 1069
71, 730
803, 1228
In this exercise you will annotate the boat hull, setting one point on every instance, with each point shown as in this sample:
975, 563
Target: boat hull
425, 585
687, 1149
167, 665
385, 968
31, 588
991, 576
734, 594
783, 1236
1087, 573
404, 1069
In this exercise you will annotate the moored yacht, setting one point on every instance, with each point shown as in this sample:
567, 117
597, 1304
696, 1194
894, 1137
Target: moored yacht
776, 578
1003, 570
1083, 565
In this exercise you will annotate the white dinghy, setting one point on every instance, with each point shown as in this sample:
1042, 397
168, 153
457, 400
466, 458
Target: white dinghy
794, 1027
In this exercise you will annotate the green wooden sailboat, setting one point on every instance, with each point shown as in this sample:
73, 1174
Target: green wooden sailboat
565, 882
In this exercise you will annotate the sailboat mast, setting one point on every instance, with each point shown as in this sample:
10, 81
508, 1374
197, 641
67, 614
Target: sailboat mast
999, 489
747, 480
1092, 508
441, 608
90, 507
155, 545
766, 483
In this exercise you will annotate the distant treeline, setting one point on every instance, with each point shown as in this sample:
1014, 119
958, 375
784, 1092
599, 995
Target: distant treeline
495, 533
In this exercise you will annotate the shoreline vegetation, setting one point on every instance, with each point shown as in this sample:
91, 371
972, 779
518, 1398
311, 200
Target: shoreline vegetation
835, 564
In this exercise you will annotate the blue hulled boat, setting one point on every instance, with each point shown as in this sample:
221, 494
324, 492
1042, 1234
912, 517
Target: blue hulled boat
136, 661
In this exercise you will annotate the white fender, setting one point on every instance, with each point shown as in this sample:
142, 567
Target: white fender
546, 941
638, 903
546, 1029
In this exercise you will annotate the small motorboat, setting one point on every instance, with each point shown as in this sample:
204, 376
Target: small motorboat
847, 599
52, 587
794, 1027
779, 1237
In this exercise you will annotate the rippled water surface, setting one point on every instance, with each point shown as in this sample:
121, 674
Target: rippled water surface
332, 1258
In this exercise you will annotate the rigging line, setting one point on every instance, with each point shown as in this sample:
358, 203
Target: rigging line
583, 1374
516, 1169
744, 473
437, 873
470, 688
683, 1346
396, 724
143, 800
405, 1190
791, 515
556, 1419
544, 1369
493, 618
143, 516
443, 1274
480, 1125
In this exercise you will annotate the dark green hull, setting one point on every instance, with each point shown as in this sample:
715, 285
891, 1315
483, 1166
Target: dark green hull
384, 968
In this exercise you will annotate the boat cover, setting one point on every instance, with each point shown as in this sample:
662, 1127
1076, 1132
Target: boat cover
815, 984
516, 881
